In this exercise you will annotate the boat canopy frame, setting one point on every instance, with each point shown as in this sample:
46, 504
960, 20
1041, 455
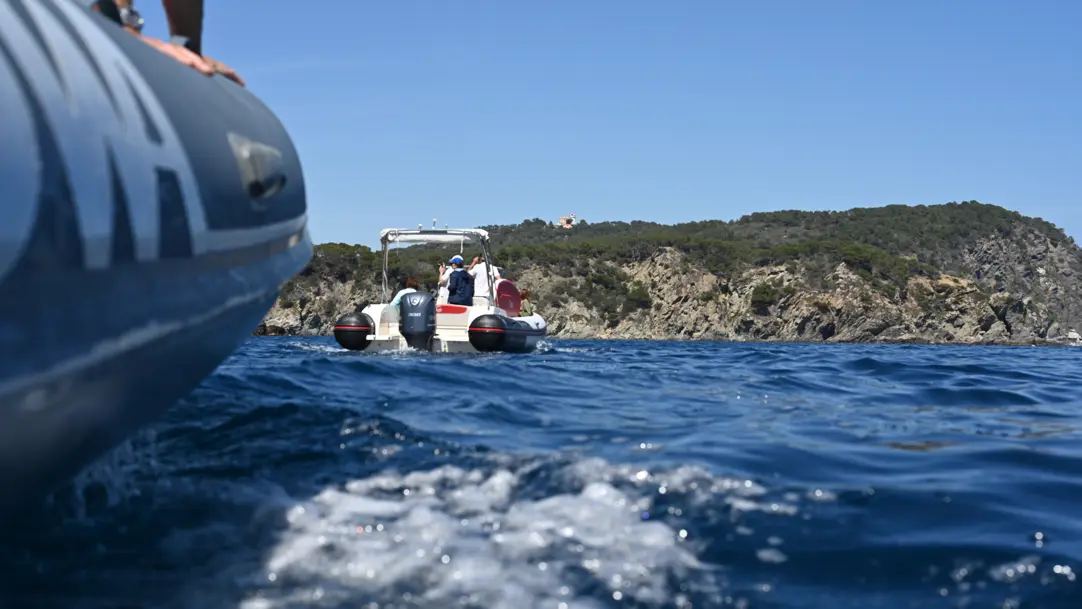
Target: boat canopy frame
461, 236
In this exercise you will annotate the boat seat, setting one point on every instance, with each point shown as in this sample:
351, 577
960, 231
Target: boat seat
388, 321
454, 322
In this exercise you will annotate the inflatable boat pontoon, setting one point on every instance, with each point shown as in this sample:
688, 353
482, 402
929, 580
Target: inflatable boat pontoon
491, 323
151, 214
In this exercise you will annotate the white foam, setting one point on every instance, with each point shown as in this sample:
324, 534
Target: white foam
399, 352
459, 537
315, 347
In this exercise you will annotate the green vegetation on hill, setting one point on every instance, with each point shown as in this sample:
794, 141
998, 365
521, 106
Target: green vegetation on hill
885, 245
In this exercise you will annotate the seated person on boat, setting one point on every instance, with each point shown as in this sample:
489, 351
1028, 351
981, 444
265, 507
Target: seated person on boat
412, 285
526, 307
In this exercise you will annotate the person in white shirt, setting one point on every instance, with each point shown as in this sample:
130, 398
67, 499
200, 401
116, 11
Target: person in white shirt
479, 271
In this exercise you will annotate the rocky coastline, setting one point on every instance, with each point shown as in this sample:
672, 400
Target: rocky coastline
681, 301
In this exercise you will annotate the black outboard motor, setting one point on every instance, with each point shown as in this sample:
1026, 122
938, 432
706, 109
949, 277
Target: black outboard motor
417, 319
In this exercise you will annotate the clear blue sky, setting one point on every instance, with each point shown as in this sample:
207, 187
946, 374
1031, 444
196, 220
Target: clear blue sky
484, 111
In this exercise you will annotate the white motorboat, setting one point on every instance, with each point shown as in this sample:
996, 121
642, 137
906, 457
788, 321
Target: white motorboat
492, 322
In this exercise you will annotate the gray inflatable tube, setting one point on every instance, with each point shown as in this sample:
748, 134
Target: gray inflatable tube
150, 216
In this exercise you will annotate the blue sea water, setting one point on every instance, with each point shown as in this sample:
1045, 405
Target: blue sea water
589, 474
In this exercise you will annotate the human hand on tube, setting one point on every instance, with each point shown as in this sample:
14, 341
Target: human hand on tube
202, 64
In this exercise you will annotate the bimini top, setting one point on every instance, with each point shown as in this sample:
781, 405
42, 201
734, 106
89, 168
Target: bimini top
432, 235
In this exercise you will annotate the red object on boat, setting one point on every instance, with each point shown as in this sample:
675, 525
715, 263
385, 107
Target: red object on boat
508, 297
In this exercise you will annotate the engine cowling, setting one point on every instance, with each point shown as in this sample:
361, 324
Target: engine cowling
417, 319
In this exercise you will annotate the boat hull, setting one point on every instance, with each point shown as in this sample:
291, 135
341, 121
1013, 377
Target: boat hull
500, 333
455, 345
455, 329
153, 215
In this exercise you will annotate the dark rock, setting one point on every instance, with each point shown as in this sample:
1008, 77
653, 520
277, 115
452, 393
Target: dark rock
827, 330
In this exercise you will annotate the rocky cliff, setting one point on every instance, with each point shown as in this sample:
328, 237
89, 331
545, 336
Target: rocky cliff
1018, 284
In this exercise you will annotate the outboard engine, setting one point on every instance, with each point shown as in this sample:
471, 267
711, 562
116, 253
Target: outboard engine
417, 319
352, 330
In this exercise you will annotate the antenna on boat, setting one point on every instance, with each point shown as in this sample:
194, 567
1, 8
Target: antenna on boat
420, 226
433, 223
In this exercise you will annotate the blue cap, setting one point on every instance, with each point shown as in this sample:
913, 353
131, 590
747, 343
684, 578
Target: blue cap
456, 258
